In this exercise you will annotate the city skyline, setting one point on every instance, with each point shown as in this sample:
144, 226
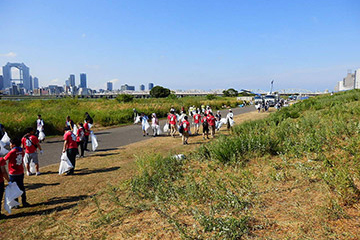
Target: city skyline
184, 44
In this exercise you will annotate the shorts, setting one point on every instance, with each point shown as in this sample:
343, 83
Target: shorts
197, 125
31, 157
206, 130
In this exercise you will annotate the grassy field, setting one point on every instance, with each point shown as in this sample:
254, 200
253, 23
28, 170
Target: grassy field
292, 175
16, 116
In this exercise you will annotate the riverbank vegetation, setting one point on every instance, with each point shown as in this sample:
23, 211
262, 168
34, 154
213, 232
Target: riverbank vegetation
16, 116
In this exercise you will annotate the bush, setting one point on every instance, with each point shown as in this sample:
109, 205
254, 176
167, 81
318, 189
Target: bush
210, 96
124, 98
159, 92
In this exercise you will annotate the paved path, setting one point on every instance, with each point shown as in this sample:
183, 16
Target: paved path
109, 139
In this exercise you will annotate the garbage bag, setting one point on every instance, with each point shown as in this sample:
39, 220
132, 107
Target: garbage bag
75, 129
41, 135
166, 128
94, 142
137, 120
12, 191
65, 164
3, 150
179, 156
32, 167
146, 126
232, 122
158, 130
5, 139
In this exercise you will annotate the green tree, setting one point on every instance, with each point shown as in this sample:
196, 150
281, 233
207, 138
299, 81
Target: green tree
159, 92
230, 93
124, 98
210, 96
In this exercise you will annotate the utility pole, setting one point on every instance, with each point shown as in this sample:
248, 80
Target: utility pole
271, 88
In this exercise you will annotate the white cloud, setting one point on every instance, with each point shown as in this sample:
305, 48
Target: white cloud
115, 80
9, 55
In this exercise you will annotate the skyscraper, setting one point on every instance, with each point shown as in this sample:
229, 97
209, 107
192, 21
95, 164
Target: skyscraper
72, 80
151, 85
109, 86
142, 87
1, 82
36, 83
31, 83
83, 80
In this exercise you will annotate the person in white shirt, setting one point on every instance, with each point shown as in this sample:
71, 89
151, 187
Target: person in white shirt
154, 124
40, 128
230, 119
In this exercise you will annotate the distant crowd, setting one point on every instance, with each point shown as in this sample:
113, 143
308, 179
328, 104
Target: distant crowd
180, 122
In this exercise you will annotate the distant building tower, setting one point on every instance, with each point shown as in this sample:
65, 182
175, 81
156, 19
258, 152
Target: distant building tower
151, 85
1, 82
127, 88
31, 83
67, 83
142, 87
109, 86
83, 80
72, 80
24, 75
36, 83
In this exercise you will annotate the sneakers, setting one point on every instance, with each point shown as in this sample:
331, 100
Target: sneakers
29, 173
38, 173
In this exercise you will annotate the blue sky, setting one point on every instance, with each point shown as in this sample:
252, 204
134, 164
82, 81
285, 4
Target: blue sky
184, 44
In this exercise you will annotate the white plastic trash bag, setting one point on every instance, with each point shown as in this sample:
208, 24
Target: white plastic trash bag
65, 164
41, 136
146, 126
5, 139
137, 120
158, 130
179, 156
223, 120
12, 191
75, 129
3, 150
232, 122
32, 167
166, 128
94, 142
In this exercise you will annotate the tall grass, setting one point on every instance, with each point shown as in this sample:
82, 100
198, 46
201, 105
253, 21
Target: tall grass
16, 116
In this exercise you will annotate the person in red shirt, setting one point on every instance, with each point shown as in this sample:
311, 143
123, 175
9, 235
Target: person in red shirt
211, 120
3, 174
70, 147
80, 138
16, 168
172, 123
197, 118
30, 143
205, 125
87, 134
185, 134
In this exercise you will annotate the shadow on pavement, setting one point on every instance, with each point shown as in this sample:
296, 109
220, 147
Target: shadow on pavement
102, 133
106, 149
86, 171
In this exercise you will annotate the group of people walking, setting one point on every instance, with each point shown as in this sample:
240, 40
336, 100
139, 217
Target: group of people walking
24, 152
180, 123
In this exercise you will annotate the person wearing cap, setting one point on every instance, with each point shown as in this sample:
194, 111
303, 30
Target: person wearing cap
229, 119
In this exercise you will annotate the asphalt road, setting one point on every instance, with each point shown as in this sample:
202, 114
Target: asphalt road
109, 139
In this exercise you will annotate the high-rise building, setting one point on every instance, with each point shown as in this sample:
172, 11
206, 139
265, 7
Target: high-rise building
24, 75
72, 80
83, 80
142, 87
31, 83
151, 85
36, 83
109, 86
127, 88
1, 82
67, 83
